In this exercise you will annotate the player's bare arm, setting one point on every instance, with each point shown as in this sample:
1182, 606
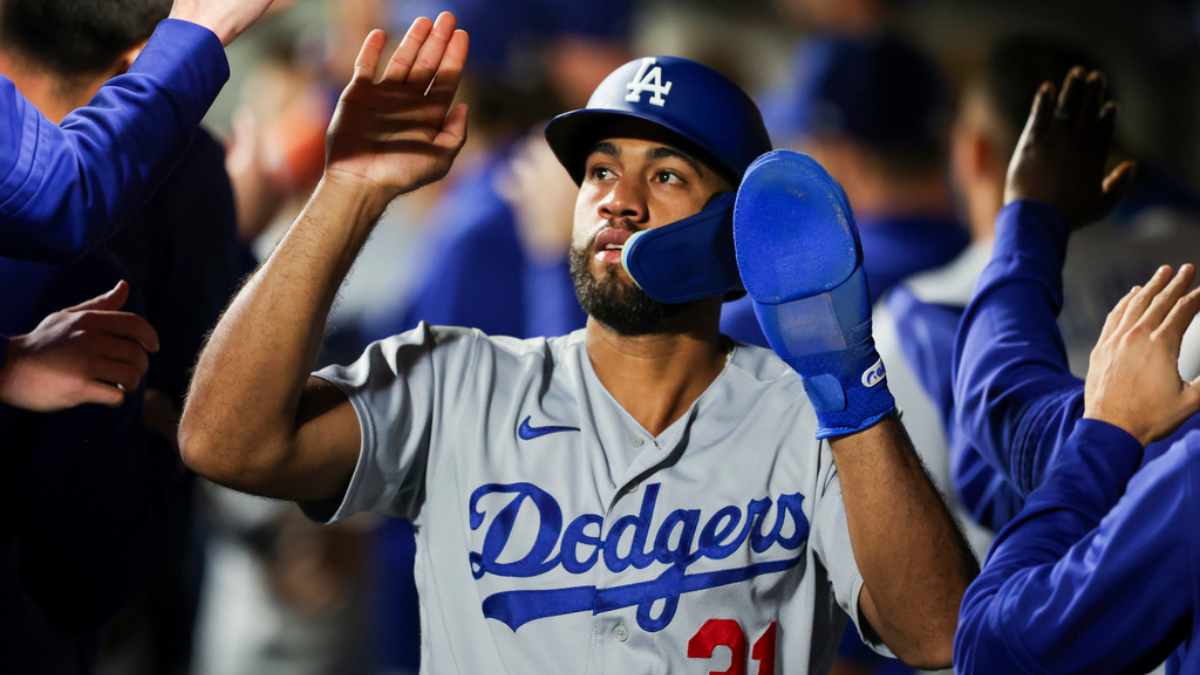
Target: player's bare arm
254, 419
914, 561
226, 18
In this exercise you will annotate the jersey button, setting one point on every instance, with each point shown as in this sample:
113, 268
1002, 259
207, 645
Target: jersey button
621, 632
638, 441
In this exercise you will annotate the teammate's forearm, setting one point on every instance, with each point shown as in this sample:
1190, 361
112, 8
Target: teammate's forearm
241, 410
914, 561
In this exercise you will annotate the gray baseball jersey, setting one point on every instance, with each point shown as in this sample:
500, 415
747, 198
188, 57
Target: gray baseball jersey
554, 534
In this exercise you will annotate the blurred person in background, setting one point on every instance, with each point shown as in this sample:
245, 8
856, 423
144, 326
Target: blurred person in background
112, 521
874, 110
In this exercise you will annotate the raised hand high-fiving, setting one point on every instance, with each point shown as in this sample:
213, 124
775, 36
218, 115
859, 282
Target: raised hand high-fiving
1061, 157
396, 131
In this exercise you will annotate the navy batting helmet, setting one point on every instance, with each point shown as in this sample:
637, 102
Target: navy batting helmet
698, 109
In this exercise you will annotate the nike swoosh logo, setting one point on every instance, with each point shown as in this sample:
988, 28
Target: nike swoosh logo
528, 433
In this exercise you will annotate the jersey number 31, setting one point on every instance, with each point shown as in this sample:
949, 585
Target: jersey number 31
728, 633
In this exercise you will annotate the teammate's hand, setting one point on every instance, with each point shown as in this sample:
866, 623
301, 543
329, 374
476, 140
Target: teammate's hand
226, 18
542, 196
1061, 156
89, 353
1133, 378
397, 131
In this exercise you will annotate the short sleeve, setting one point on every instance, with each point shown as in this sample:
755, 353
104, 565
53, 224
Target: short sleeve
831, 542
401, 389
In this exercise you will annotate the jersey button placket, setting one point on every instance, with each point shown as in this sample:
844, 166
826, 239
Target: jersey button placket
620, 632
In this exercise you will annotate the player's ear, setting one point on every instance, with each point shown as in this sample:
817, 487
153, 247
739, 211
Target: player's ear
125, 61
971, 153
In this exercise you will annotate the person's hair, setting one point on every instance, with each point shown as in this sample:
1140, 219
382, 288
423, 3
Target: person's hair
72, 38
1015, 67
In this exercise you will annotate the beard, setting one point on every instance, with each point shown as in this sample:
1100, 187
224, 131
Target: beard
618, 304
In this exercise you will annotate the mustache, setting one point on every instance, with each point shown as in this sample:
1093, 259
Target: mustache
618, 224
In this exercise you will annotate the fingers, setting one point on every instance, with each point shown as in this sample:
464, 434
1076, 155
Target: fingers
1095, 93
406, 52
368, 56
101, 393
1141, 300
454, 130
430, 55
1071, 98
112, 300
1168, 297
1181, 316
116, 372
450, 70
1042, 112
120, 349
1117, 313
122, 325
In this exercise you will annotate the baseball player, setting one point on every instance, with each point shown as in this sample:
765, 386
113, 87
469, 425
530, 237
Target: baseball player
638, 496
1095, 574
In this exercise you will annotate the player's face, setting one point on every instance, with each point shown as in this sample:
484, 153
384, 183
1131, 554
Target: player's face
631, 184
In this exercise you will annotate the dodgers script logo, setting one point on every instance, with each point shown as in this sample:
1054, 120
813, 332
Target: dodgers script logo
648, 79
679, 542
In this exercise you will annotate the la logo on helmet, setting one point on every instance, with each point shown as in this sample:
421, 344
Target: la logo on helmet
648, 79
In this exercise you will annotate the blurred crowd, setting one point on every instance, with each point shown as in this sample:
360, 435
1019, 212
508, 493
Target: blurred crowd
915, 107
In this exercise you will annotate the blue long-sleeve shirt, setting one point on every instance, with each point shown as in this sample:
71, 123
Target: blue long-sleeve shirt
64, 188
1016, 400
1099, 573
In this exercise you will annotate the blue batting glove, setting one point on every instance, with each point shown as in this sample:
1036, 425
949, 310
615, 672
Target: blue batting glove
801, 262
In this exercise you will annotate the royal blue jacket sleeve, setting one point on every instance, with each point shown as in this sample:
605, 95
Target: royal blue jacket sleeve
1016, 399
1097, 573
63, 189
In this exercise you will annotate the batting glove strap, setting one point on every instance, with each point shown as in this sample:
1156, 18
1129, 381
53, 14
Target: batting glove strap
848, 389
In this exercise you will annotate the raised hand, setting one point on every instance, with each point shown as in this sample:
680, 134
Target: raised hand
395, 132
226, 18
89, 353
1133, 378
1061, 156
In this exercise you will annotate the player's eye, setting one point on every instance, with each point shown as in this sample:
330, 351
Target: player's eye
600, 172
666, 177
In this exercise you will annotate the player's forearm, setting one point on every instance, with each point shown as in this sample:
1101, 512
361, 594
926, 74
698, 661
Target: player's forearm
1013, 389
240, 419
915, 563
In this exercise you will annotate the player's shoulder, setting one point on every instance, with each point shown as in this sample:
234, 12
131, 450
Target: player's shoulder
535, 352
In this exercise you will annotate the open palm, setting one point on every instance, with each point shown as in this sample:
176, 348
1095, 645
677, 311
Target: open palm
397, 131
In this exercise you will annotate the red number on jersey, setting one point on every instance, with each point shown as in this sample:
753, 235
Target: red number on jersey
728, 633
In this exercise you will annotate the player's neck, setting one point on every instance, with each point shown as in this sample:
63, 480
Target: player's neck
657, 377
